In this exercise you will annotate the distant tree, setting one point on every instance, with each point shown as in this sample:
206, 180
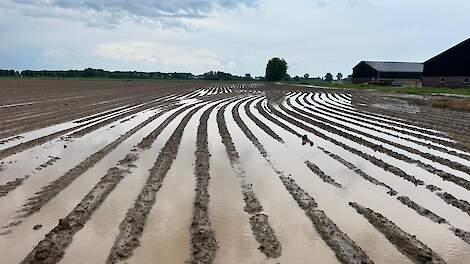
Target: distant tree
306, 76
339, 76
286, 77
296, 78
329, 77
276, 69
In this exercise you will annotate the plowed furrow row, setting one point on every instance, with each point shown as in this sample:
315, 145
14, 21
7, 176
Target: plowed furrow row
344, 247
323, 123
131, 227
330, 111
406, 243
395, 170
203, 239
260, 226
331, 124
48, 192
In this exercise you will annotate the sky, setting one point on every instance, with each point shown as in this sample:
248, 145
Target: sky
236, 36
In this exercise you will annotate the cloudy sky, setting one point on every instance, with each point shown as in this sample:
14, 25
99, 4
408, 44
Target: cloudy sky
237, 36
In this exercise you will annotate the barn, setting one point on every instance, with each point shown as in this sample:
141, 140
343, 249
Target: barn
450, 68
388, 73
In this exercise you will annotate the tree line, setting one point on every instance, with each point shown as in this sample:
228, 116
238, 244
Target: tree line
100, 73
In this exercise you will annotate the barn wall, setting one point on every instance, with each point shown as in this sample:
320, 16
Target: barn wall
450, 81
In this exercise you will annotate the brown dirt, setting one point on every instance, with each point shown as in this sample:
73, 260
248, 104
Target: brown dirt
132, 226
406, 243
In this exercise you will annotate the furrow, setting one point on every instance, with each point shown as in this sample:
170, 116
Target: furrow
332, 112
48, 192
52, 248
344, 247
262, 230
405, 243
395, 170
330, 126
203, 240
259, 123
132, 226
358, 171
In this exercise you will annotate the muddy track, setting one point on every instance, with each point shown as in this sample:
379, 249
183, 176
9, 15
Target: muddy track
48, 192
326, 178
395, 170
421, 120
359, 172
421, 210
451, 164
326, 110
405, 243
132, 225
266, 115
203, 240
12, 185
345, 248
41, 140
52, 248
442, 174
330, 127
87, 130
63, 116
463, 205
263, 232
259, 123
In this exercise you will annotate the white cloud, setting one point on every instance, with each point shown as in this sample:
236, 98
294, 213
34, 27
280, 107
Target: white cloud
159, 55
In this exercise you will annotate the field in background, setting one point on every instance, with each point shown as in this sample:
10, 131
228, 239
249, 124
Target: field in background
127, 172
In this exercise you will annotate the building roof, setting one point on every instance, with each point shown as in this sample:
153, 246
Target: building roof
382, 66
452, 62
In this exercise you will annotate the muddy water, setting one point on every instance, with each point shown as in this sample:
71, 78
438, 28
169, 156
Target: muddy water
385, 118
390, 138
457, 216
399, 141
166, 237
229, 221
22, 239
75, 151
70, 157
103, 226
438, 237
300, 242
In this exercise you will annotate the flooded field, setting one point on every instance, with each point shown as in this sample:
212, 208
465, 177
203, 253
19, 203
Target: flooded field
230, 173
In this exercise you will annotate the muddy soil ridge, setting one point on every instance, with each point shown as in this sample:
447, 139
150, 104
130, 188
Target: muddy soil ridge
344, 247
132, 226
406, 243
203, 239
263, 232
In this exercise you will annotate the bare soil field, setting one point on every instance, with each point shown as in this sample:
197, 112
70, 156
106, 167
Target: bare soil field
192, 172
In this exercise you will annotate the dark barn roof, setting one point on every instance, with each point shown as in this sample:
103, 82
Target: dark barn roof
388, 70
452, 62
382, 66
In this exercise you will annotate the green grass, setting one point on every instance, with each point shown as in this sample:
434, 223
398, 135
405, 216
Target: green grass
390, 89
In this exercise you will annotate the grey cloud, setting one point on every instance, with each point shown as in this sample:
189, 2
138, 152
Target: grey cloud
109, 13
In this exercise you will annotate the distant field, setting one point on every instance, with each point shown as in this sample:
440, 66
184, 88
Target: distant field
391, 89
95, 171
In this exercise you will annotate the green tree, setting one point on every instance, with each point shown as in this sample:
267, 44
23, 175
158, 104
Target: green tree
329, 77
306, 76
339, 76
276, 69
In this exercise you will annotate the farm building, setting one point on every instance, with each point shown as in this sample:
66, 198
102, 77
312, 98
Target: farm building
450, 68
388, 73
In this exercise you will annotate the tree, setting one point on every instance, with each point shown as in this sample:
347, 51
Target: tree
276, 69
329, 77
339, 76
306, 76
296, 78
